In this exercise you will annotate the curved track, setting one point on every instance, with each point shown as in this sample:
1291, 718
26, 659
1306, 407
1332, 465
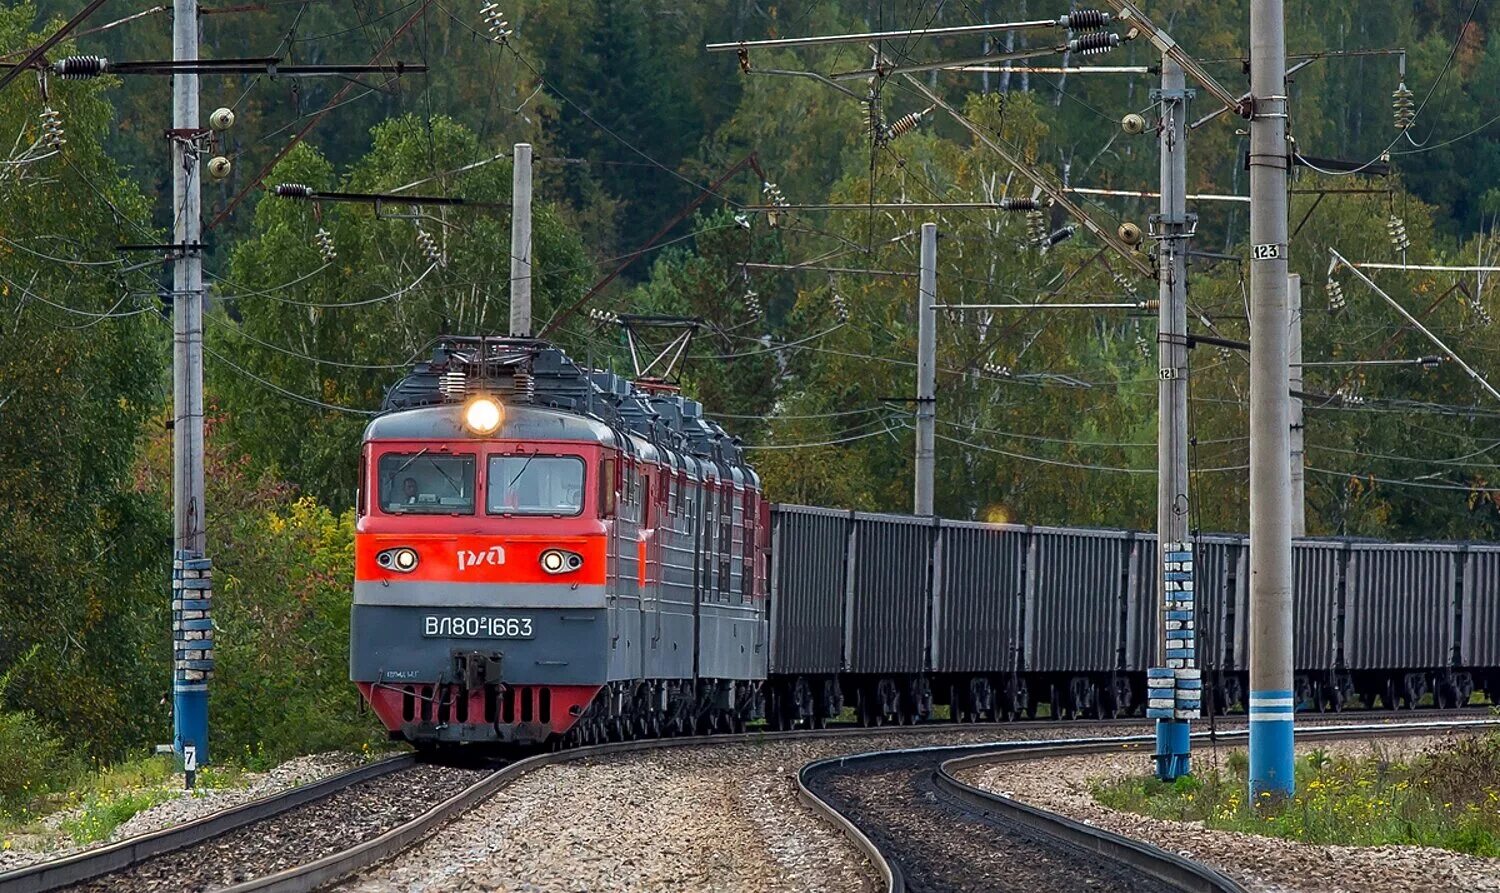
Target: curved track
98, 862
927, 831
262, 846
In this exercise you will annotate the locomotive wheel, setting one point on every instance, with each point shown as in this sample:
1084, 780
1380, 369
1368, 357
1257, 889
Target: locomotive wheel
819, 718
1119, 701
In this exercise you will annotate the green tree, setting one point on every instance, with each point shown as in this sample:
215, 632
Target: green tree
314, 343
81, 353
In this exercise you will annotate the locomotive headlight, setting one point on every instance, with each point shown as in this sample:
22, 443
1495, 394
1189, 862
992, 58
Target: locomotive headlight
402, 560
557, 561
482, 415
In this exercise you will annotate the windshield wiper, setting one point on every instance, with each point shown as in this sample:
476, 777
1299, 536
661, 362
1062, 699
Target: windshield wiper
414, 457
522, 471
449, 478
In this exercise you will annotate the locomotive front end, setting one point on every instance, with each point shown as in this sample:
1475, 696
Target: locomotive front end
479, 595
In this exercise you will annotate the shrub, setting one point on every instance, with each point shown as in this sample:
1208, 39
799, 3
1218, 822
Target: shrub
1449, 798
103, 813
33, 763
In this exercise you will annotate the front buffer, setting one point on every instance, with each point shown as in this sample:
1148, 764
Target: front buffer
450, 675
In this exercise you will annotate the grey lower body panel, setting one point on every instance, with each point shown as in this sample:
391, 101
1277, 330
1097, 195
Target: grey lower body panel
396, 644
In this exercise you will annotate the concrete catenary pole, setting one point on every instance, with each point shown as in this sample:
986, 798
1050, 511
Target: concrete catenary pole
1298, 431
926, 370
1271, 704
1174, 561
192, 624
520, 243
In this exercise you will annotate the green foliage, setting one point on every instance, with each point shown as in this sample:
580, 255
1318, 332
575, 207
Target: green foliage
34, 763
101, 814
1448, 798
83, 563
283, 574
340, 333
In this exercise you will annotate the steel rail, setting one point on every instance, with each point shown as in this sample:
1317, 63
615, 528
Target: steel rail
42, 877
890, 870
95, 863
1177, 871
311, 876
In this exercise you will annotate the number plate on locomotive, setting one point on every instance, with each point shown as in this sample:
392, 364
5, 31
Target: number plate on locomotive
485, 627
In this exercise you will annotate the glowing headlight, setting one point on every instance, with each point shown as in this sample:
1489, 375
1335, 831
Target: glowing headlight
557, 561
402, 560
482, 415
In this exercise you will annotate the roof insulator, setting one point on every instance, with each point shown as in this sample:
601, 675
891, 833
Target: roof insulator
1094, 44
1403, 107
52, 128
1036, 226
1335, 289
1060, 236
430, 247
1080, 20
499, 28
1396, 229
905, 124
324, 240
80, 68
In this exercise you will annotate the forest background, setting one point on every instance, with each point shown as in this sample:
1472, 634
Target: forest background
1044, 418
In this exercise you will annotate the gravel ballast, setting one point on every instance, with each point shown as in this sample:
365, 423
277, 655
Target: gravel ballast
1262, 864
304, 834
941, 844
714, 818
183, 806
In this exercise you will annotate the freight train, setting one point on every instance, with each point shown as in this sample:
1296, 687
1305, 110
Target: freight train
552, 554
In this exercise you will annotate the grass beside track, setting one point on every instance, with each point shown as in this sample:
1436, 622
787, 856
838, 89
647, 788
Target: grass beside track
1447, 798
96, 803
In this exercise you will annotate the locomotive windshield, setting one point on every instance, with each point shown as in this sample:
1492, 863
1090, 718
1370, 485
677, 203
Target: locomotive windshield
425, 483
535, 485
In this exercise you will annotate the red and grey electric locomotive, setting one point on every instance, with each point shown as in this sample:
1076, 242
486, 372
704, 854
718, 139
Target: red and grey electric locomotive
545, 552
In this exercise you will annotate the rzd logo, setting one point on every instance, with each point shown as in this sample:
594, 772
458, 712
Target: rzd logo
494, 555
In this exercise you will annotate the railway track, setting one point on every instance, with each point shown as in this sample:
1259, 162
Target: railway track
928, 832
310, 836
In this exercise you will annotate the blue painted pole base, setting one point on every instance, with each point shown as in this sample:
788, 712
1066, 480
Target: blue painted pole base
190, 721
1272, 757
1173, 749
